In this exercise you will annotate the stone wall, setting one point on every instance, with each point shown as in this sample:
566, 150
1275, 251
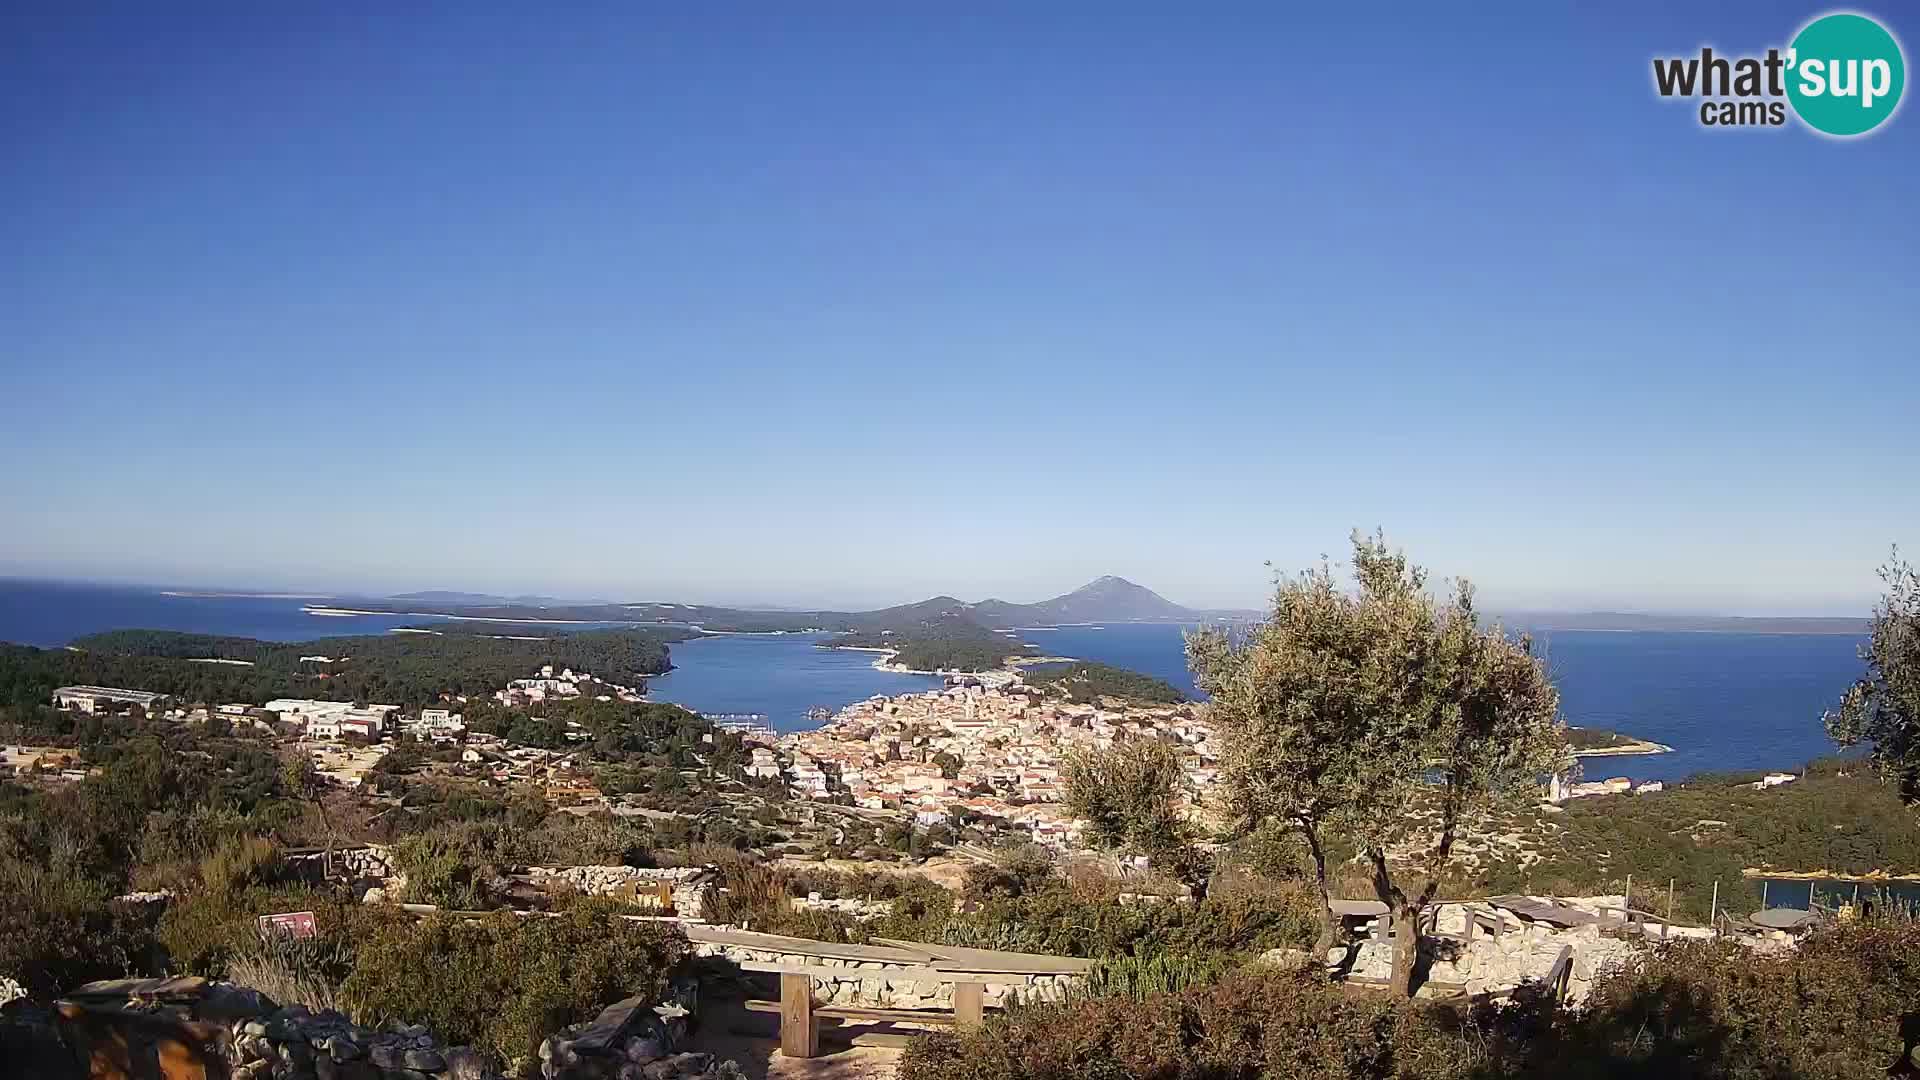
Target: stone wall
194, 1029
1526, 951
633, 1040
886, 985
685, 883
372, 862
854, 907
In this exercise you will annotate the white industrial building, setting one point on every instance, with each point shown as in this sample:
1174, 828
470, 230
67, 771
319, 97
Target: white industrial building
91, 699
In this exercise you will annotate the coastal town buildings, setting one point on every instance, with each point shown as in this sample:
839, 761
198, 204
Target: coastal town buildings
976, 751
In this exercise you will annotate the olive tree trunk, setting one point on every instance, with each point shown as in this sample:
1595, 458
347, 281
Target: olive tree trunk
1323, 944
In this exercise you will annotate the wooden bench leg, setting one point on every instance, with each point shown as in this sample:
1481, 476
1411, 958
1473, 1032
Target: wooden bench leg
969, 1004
799, 1035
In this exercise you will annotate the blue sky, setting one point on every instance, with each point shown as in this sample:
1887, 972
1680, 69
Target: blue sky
860, 307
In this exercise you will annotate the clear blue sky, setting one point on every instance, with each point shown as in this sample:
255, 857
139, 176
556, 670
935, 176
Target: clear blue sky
856, 309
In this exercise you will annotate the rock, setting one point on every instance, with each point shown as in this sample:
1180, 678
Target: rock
385, 1055
1287, 959
424, 1060
343, 1048
225, 1001
693, 1064
644, 1049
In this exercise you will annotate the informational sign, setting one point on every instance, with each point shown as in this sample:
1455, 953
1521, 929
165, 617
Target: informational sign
298, 925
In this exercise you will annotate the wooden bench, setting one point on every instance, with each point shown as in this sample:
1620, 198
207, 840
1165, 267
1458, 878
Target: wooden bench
800, 1015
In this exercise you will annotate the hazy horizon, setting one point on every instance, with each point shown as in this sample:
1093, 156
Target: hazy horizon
829, 599
854, 308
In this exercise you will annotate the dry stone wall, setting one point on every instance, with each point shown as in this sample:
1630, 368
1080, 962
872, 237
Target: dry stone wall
886, 985
685, 882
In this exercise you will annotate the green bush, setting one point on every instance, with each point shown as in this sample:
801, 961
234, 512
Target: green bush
1140, 978
1834, 1008
505, 982
202, 931
1843, 1004
1275, 1025
59, 929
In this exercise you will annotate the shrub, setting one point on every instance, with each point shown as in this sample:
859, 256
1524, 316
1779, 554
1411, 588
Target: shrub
1140, 978
289, 971
502, 982
1834, 1008
1284, 1026
58, 930
202, 932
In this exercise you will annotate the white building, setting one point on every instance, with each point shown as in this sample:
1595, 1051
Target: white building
764, 765
92, 699
439, 725
308, 710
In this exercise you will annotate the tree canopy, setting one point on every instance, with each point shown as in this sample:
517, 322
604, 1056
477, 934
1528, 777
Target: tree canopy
1129, 797
1882, 709
1380, 712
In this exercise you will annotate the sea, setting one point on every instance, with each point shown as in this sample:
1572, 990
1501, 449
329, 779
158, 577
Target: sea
1723, 701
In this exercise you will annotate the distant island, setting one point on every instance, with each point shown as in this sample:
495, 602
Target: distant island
406, 669
944, 633
1600, 742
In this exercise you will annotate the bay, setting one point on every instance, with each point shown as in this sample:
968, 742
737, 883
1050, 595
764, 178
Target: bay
1722, 701
781, 676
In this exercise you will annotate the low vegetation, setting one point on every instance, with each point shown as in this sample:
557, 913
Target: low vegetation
1086, 682
1581, 738
398, 669
1836, 1009
945, 644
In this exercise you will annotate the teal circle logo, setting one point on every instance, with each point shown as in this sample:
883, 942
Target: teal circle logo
1845, 73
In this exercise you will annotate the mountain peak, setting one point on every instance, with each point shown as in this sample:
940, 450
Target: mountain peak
1104, 599
1107, 583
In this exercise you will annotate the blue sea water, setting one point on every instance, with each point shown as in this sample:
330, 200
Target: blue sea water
50, 614
1723, 701
779, 675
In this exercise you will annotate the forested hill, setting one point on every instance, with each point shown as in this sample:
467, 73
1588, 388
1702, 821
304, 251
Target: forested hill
398, 669
951, 643
1105, 599
1085, 681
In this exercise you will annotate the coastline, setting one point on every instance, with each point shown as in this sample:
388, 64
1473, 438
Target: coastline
338, 613
1636, 748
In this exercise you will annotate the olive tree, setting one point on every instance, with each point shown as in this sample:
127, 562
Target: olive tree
1882, 709
1382, 714
1129, 796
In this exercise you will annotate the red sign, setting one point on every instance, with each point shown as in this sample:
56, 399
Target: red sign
294, 924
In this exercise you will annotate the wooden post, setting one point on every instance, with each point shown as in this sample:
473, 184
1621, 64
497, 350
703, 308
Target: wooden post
1763, 893
1473, 923
1713, 913
1628, 902
799, 1037
969, 1004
